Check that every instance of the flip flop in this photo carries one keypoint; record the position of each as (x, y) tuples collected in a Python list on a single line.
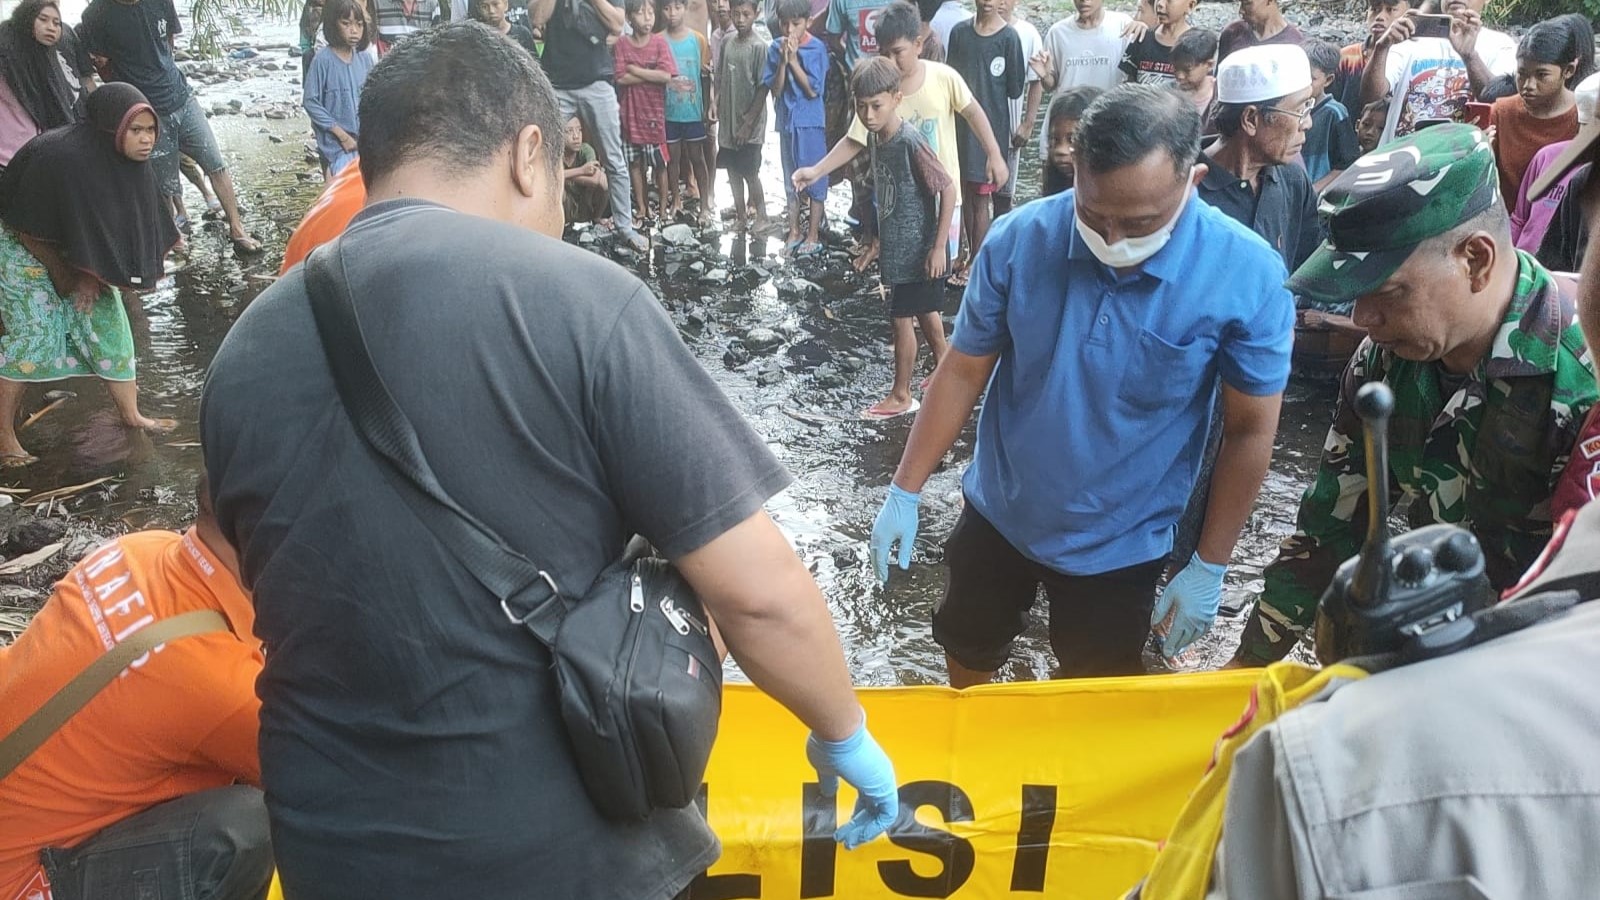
[(17, 460), (808, 249), (789, 247), (871, 415)]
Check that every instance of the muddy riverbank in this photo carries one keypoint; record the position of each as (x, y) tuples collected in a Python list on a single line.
[(801, 349)]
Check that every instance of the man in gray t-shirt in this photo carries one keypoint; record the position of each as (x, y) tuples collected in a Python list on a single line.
[(411, 742)]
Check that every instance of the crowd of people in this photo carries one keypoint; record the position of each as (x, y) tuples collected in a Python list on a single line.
[(1203, 196)]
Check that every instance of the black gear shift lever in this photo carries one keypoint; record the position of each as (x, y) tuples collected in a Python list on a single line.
[(1398, 594)]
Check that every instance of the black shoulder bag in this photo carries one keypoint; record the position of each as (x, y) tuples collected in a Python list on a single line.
[(639, 679)]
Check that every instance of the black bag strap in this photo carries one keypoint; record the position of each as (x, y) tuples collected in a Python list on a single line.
[(528, 595)]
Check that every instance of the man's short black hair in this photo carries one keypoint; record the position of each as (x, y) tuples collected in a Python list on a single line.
[(1131, 121), (899, 21), (457, 95), (1195, 46), (1324, 57), (789, 10), (733, 3)]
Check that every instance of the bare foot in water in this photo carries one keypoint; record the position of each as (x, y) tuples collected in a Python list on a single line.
[(154, 426)]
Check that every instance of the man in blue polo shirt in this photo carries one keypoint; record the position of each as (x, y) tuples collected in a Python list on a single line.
[(1105, 316)]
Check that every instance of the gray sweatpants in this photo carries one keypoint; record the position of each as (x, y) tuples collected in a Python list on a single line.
[(596, 106)]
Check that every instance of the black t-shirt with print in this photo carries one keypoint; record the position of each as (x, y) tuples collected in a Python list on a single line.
[(411, 742)]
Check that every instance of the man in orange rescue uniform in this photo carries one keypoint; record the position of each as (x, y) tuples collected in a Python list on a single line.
[(138, 794)]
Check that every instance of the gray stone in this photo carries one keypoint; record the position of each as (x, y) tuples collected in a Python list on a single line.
[(852, 363), (769, 377), (274, 139), (715, 275), (736, 356), (585, 238), (679, 235), (276, 114), (236, 104), (762, 340), (697, 267), (845, 558)]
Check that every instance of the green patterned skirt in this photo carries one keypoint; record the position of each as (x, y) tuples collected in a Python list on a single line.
[(46, 337)]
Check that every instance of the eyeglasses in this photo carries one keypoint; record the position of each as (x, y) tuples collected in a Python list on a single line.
[(1303, 113)]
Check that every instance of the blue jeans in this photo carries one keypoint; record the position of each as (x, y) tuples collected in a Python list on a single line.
[(186, 130), (211, 845)]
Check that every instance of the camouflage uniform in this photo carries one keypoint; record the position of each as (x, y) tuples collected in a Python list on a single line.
[(1529, 396), (1486, 456)]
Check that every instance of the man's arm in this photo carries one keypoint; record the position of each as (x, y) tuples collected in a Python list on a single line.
[(776, 623), (1249, 425), (1030, 113), (540, 11), (957, 383), (979, 123), (842, 152), (1375, 78), (1464, 29), (610, 15), (1328, 530)]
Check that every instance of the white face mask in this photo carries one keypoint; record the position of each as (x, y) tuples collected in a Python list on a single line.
[(1131, 251)]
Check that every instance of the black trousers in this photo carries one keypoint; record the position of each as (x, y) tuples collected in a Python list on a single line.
[(1098, 623), (211, 845)]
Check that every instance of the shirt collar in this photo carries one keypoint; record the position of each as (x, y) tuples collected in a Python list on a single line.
[(1529, 340), (230, 598)]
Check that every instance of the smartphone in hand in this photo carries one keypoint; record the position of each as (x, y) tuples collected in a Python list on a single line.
[(1434, 26)]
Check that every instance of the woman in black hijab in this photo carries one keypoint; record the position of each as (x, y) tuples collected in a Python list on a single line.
[(35, 86), (82, 218)]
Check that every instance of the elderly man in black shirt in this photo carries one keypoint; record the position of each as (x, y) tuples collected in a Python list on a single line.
[(411, 740), (1264, 94)]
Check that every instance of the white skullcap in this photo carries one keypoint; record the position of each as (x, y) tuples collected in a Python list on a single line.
[(1588, 92), (1263, 72)]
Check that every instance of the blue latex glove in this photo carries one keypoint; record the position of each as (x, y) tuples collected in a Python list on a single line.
[(1196, 592), (860, 761), (896, 522)]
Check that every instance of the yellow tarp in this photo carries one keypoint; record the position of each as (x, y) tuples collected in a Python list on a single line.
[(1060, 789)]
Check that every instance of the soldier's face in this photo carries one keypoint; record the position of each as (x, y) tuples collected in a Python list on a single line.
[(1435, 303)]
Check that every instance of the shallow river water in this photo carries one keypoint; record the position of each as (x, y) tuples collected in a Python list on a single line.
[(804, 398)]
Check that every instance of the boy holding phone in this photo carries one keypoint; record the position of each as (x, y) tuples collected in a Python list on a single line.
[(1435, 64)]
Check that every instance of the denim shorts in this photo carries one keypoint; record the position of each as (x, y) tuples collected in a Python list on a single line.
[(184, 129)]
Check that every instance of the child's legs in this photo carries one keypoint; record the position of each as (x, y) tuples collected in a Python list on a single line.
[(675, 170), (905, 357), (810, 146), (758, 197), (786, 153), (933, 332), (702, 177), (969, 208), (982, 215), (817, 215), (663, 175), (736, 188), (708, 161), (636, 172)]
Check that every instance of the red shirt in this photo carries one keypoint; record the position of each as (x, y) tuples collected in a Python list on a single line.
[(644, 106), (181, 719)]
